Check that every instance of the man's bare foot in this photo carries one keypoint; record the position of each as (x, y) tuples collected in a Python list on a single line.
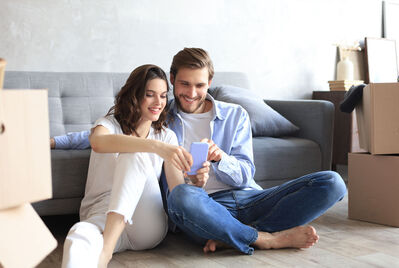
[(297, 237), (212, 245)]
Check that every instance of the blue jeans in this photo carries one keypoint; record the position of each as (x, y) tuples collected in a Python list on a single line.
[(235, 216)]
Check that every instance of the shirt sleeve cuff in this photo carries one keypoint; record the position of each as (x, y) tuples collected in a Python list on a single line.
[(61, 142)]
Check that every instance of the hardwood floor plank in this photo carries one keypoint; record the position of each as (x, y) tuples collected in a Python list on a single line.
[(343, 243)]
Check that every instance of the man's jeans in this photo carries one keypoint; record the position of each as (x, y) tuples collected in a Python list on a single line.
[(234, 216)]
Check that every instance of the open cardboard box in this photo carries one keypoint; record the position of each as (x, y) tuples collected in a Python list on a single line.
[(25, 240), (378, 118), (373, 188), (25, 176), (25, 173)]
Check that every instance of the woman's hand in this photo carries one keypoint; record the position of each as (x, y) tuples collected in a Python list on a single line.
[(176, 155), (202, 176)]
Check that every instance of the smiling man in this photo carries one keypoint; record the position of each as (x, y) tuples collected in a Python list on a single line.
[(231, 209)]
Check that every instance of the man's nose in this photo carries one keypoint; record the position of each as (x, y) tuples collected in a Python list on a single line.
[(191, 92)]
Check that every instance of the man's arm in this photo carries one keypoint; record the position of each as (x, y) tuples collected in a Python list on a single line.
[(72, 140), (235, 166)]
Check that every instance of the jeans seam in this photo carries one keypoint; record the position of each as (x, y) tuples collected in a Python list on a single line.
[(272, 194), (274, 207), (185, 219), (236, 205)]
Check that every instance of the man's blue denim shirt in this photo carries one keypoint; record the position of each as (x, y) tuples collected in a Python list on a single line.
[(231, 131)]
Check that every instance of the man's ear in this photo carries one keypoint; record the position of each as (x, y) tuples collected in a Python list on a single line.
[(209, 83), (172, 79)]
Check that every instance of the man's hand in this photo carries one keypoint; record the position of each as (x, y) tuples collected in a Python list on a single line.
[(52, 143), (176, 155), (214, 152), (202, 176)]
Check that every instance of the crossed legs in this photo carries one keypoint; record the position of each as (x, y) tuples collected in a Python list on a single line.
[(270, 218)]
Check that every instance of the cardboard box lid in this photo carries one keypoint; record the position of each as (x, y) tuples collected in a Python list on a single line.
[(25, 240), (25, 174)]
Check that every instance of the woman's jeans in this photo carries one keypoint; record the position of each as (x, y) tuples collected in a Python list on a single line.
[(235, 216)]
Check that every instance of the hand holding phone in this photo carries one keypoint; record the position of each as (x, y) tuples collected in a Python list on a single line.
[(199, 152)]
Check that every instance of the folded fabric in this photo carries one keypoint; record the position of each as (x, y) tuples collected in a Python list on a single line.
[(352, 98), (264, 120)]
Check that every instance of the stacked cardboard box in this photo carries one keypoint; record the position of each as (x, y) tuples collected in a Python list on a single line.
[(343, 85), (373, 181), (25, 177)]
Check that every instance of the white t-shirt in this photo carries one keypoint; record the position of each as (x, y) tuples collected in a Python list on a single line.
[(102, 166), (195, 128)]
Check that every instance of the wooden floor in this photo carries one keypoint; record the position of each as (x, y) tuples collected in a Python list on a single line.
[(343, 243)]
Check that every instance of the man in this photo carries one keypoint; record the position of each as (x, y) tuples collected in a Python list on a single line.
[(230, 208)]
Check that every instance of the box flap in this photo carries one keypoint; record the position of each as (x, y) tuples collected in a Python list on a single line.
[(25, 174), (25, 240)]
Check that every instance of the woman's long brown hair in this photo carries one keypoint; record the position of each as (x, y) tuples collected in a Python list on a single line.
[(127, 102)]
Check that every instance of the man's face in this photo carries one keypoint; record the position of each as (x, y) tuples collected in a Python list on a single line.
[(189, 88)]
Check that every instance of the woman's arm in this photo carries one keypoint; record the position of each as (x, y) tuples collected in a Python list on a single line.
[(173, 175), (114, 227), (103, 142)]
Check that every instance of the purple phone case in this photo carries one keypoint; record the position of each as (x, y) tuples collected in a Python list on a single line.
[(199, 151)]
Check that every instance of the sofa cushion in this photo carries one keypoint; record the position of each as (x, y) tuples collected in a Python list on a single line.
[(69, 171), (287, 158), (264, 120)]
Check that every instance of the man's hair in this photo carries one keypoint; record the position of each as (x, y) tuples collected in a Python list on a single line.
[(127, 102), (192, 58)]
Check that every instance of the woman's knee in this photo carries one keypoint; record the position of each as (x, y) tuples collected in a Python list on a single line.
[(147, 236)]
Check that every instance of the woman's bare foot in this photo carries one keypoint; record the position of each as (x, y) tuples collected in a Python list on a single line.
[(212, 245), (297, 237)]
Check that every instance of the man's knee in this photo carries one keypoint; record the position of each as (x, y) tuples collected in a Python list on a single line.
[(333, 184), (185, 200), (184, 195)]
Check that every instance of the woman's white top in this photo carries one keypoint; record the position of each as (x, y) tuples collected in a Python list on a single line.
[(102, 165)]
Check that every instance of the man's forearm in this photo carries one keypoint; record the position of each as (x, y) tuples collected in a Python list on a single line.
[(72, 140)]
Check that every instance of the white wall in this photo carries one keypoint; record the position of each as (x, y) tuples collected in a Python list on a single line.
[(285, 46)]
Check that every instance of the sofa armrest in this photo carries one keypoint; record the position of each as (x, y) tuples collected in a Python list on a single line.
[(315, 118)]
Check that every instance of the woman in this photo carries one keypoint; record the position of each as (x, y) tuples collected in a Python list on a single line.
[(129, 146)]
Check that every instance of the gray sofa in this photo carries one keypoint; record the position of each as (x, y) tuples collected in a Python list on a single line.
[(76, 100)]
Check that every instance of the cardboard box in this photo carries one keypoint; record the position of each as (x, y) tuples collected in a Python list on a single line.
[(3, 64), (378, 118), (373, 188), (25, 167), (25, 240)]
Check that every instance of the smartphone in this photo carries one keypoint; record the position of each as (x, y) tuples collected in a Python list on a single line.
[(199, 151)]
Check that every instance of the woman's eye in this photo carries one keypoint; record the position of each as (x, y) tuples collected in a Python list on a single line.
[(148, 95)]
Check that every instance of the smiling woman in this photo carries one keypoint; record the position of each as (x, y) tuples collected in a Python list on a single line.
[(122, 183)]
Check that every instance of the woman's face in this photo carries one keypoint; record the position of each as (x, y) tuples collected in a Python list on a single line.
[(154, 99)]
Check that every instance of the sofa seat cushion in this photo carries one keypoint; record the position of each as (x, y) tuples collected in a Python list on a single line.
[(281, 159), (69, 170)]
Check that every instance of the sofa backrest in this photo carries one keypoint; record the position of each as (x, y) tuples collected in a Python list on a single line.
[(77, 100)]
